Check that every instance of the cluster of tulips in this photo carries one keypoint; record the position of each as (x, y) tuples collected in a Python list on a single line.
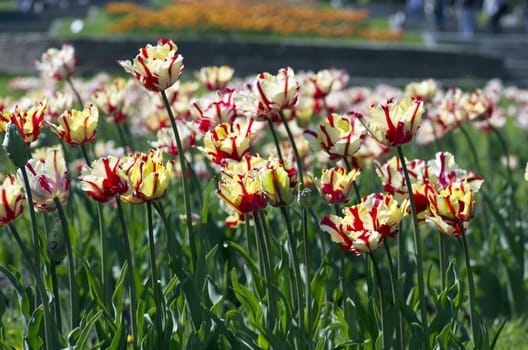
[(324, 135)]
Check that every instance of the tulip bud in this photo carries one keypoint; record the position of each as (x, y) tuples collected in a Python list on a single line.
[(16, 148), (56, 246)]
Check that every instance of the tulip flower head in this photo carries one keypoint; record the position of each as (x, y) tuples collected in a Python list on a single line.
[(209, 113), (366, 224), (278, 180), (105, 179), (77, 127), (335, 184), (58, 64), (242, 192), (228, 141), (321, 84), (48, 179), (156, 67), (111, 100), (148, 175), (451, 208), (214, 77), (425, 89), (167, 141), (11, 200), (29, 121), (338, 135), (394, 123), (275, 93)]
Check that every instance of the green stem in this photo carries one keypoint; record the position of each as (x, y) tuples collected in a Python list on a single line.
[(308, 279), (400, 267), (472, 148), (471, 284), (56, 298), (272, 302), (75, 92), (275, 139), (71, 267), (34, 230), (85, 154), (443, 260), (300, 167), (120, 132), (50, 337), (395, 299), (105, 273), (131, 279), (418, 247), (296, 274), (186, 199), (304, 228), (154, 277), (382, 301), (511, 182)]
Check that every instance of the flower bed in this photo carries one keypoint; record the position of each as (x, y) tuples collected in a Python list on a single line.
[(239, 16), (285, 210)]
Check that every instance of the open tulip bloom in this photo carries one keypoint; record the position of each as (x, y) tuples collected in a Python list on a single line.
[(366, 224), (394, 123), (11, 200), (105, 179), (58, 64), (156, 67), (48, 179)]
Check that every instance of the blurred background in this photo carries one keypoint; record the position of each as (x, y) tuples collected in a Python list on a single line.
[(457, 41)]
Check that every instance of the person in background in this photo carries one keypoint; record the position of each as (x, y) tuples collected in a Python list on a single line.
[(466, 17)]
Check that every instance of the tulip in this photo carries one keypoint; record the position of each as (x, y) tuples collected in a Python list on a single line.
[(242, 192), (278, 180), (77, 127), (394, 123), (148, 175), (365, 225), (215, 78), (11, 200), (58, 64), (104, 179), (48, 179), (29, 122), (275, 93), (451, 208), (335, 184), (111, 100), (338, 135), (228, 141), (321, 84), (156, 67)]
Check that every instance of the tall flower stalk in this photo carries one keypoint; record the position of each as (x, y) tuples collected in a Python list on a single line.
[(185, 184), (71, 267), (417, 247)]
